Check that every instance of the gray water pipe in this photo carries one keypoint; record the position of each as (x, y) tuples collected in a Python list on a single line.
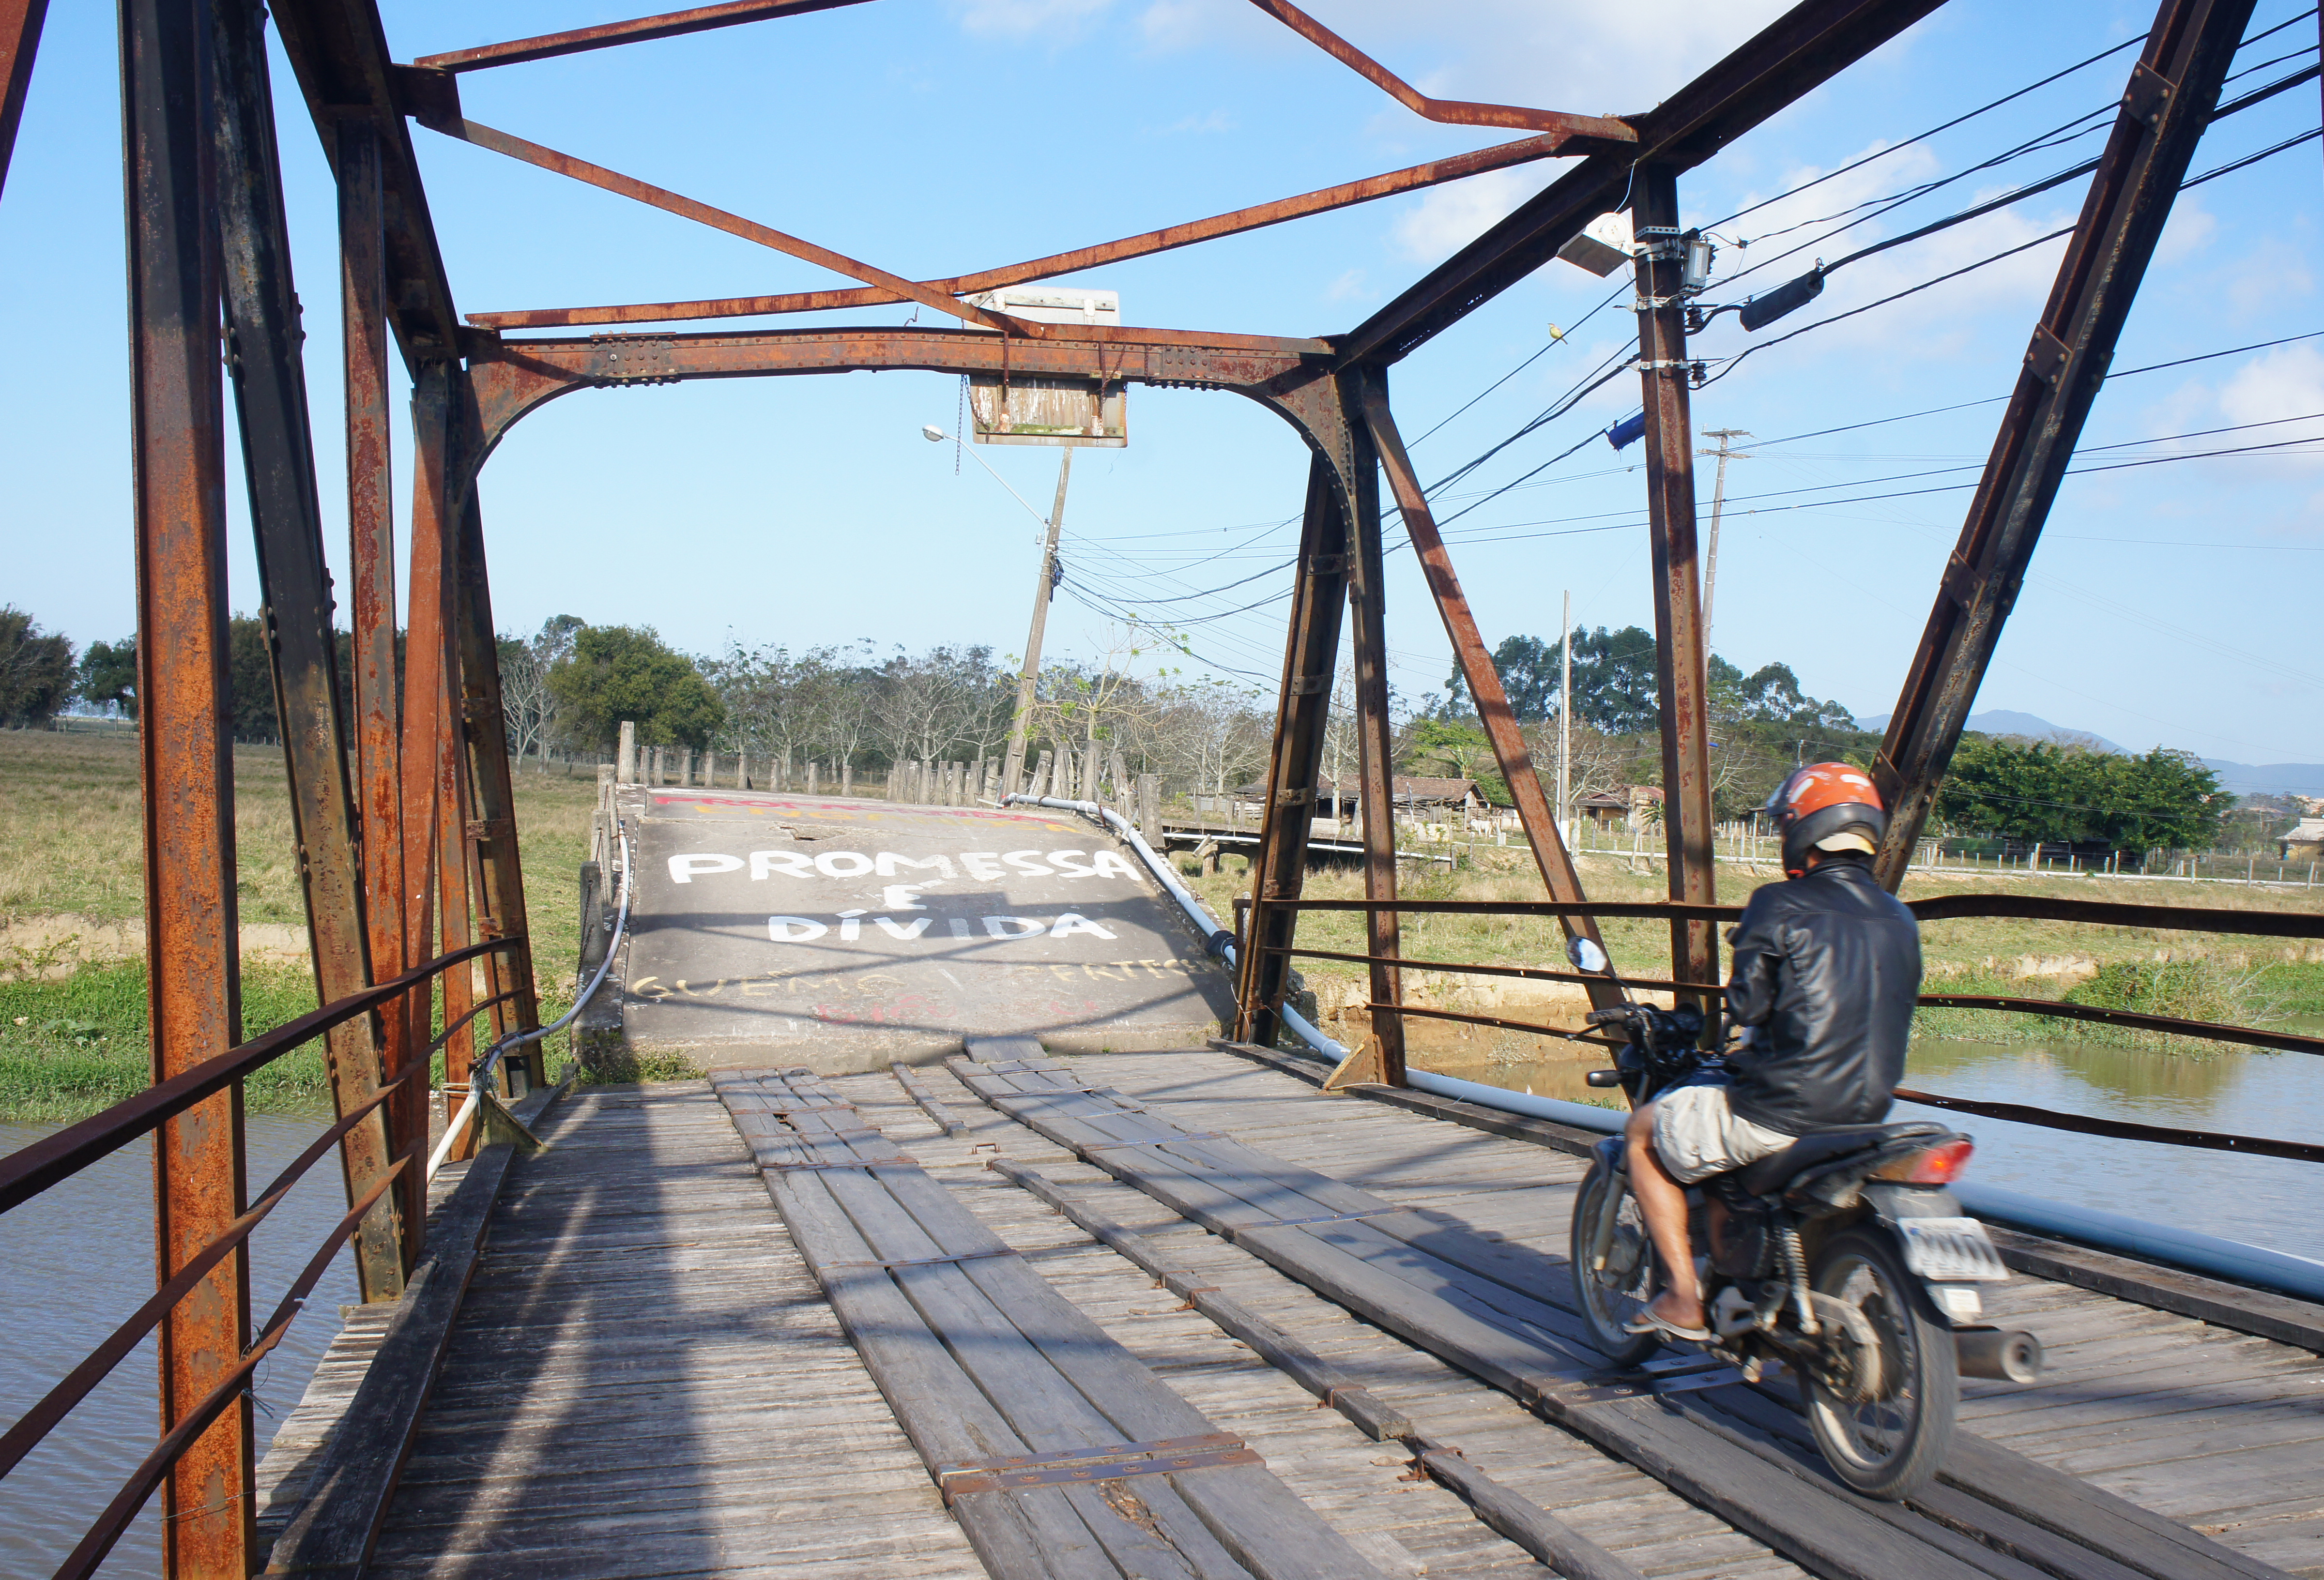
[(2107, 1231)]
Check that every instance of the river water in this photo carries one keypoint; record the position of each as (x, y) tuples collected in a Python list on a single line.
[(79, 1260)]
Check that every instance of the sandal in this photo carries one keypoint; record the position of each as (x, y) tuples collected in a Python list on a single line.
[(1649, 1320)]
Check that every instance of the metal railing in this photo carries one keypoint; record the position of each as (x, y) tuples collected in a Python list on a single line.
[(1939, 907), (30, 1171)]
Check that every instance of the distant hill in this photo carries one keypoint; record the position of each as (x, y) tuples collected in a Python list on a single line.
[(2269, 778), (2002, 721), (2242, 778)]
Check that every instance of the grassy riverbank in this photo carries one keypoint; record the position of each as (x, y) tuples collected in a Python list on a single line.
[(72, 1021)]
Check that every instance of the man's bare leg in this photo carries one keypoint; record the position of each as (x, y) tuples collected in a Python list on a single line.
[(1661, 1201)]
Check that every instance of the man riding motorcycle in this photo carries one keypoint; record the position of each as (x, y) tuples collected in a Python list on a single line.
[(1827, 970)]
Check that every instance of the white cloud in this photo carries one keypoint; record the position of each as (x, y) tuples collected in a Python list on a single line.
[(2285, 382), (1218, 120), (1449, 217), (1052, 19), (2188, 231), (1350, 288)]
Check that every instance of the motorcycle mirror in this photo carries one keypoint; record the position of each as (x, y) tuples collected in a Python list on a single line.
[(1587, 956)]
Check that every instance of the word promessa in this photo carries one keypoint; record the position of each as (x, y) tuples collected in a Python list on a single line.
[(983, 866)]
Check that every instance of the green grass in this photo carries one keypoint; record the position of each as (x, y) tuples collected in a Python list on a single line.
[(2197, 990), (624, 1068), (70, 834)]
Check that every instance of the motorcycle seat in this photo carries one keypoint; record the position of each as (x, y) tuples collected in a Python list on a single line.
[(1776, 1169)]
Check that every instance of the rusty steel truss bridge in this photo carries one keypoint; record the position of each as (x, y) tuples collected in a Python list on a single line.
[(403, 803)]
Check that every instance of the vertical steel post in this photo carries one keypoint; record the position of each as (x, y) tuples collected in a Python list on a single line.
[(20, 41), (186, 759), (371, 542), (2174, 87), (1683, 681), (491, 825), (1028, 678), (1375, 747), (454, 928), (1477, 667), (1311, 650), (425, 710), (295, 581)]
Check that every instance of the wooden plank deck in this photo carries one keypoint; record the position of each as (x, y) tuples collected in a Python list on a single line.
[(648, 1380)]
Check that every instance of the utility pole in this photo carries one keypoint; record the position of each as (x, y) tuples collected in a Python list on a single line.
[(1565, 720), (1718, 500), (1042, 593)]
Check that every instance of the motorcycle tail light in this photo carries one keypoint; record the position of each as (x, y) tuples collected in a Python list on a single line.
[(1940, 1165)]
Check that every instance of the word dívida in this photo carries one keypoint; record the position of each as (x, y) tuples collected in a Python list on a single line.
[(984, 866), (1007, 929)]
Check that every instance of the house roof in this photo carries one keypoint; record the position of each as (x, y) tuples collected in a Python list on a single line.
[(1620, 800)]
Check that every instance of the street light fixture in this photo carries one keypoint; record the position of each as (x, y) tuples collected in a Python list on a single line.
[(936, 435)]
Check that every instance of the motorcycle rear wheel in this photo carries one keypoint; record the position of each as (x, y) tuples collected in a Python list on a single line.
[(1607, 1306), (1889, 1445)]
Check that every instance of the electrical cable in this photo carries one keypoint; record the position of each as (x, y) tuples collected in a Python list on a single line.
[(1561, 339)]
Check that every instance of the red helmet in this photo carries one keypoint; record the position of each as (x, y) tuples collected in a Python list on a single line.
[(1823, 804)]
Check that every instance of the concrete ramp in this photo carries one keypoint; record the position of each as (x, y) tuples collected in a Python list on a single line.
[(841, 934)]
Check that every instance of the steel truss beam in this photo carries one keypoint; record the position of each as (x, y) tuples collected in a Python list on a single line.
[(669, 25), (20, 41), (1371, 188), (1477, 667), (1791, 56), (194, 999), (2171, 92), (286, 519)]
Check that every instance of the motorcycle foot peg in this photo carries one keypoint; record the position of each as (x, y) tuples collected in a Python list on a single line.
[(1999, 1355), (1603, 1078)]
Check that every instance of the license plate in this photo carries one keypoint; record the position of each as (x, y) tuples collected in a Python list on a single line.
[(1951, 1250)]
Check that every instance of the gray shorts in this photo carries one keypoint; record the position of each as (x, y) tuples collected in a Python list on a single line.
[(1699, 1134)]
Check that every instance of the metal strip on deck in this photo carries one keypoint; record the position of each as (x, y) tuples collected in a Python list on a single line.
[(1480, 1303)]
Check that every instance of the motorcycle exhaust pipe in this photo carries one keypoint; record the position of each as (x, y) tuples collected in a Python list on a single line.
[(2001, 1354)]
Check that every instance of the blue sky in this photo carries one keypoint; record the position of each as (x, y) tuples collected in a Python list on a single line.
[(2169, 603)]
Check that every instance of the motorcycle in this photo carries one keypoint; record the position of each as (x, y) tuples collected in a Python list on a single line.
[(1844, 1259)]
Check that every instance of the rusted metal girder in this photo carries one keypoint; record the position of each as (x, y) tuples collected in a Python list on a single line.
[(194, 999), (515, 377), (20, 41), (733, 225), (370, 544), (339, 53), (1682, 682), (1374, 732), (1603, 129), (1412, 178), (1278, 870), (1477, 667), (489, 828), (455, 910), (668, 25), (295, 587), (2170, 97), (426, 679), (1790, 58)]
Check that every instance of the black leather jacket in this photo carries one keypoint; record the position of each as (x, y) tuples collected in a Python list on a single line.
[(1827, 967)]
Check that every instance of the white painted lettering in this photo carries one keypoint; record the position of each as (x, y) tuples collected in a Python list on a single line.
[(682, 869), (982, 865), (1070, 924), (1029, 861), (790, 863), (893, 929), (1015, 926), (828, 864), (851, 926), (959, 925), (1112, 864), (1063, 860), (904, 896), (792, 930)]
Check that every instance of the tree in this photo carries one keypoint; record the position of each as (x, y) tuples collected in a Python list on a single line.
[(108, 676), (1452, 748), (36, 671), (526, 700), (617, 673), (2038, 790), (1615, 680), (948, 703)]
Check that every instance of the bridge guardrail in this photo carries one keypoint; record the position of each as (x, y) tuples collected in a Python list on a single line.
[(28, 1172)]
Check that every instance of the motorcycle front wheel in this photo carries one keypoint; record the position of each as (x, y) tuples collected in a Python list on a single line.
[(1609, 1298), (1883, 1416)]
